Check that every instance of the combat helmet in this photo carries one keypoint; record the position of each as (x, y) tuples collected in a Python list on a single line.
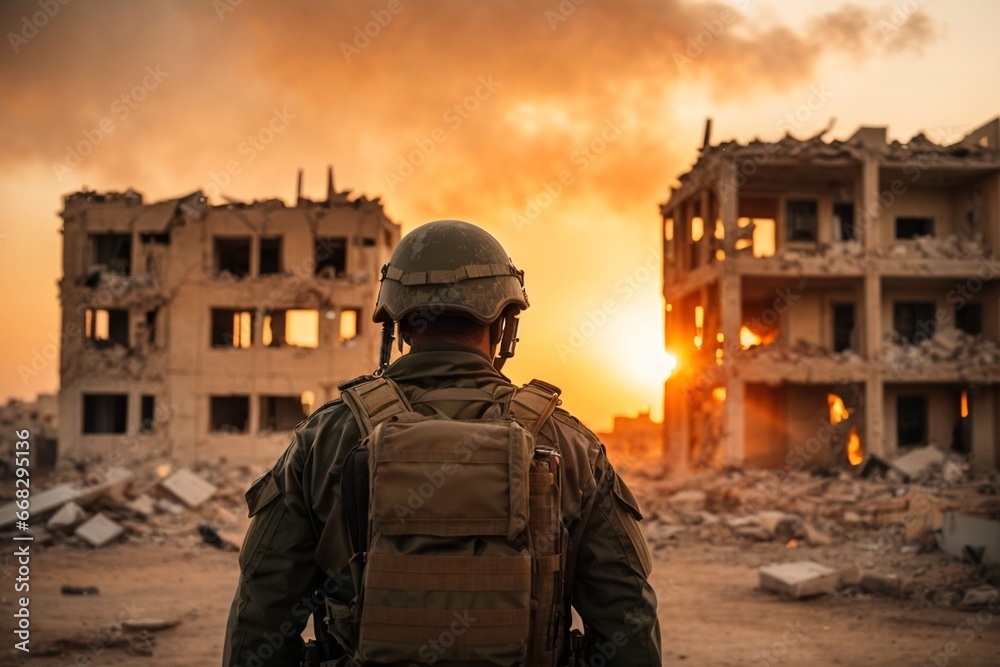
[(451, 268)]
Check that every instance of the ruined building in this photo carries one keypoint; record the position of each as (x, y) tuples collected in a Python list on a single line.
[(199, 332), (832, 300)]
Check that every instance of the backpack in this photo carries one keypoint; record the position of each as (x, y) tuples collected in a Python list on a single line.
[(457, 533)]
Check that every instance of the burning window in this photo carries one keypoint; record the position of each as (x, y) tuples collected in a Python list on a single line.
[(801, 219), (299, 328), (280, 413), (843, 222), (106, 328), (232, 328), (843, 327), (912, 227), (914, 320), (232, 256), (349, 323), (105, 413), (270, 255), (111, 252), (229, 414), (147, 421), (330, 256)]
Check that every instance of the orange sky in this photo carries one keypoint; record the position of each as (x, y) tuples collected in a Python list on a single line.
[(559, 130)]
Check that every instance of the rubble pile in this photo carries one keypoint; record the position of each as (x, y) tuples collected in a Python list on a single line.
[(947, 345), (112, 504), (797, 351), (948, 247), (928, 529)]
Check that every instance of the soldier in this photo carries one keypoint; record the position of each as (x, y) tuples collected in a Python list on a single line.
[(448, 558)]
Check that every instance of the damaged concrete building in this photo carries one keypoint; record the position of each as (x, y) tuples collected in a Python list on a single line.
[(201, 332), (832, 300)]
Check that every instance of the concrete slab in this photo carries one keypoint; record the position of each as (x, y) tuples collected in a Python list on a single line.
[(689, 501), (798, 580), (188, 487), (168, 506), (68, 516), (882, 584), (112, 485), (970, 538), (99, 530), (40, 503), (143, 505), (916, 463)]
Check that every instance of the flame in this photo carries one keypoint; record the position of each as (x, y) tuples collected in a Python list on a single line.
[(668, 364), (749, 339), (855, 455), (838, 412), (965, 404), (719, 394)]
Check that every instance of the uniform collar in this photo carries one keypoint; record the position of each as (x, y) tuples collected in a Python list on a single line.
[(428, 364)]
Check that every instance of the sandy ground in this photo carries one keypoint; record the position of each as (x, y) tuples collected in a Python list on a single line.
[(710, 609)]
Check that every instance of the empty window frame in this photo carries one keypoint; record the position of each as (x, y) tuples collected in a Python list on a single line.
[(229, 414), (843, 326), (801, 219), (298, 328), (843, 222), (151, 318), (147, 414), (330, 256), (350, 323), (911, 420), (232, 256), (106, 327), (914, 320), (969, 318), (111, 252), (910, 227), (269, 255), (105, 413), (232, 328), (280, 413)]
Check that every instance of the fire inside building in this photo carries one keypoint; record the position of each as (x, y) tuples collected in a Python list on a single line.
[(204, 332), (834, 301)]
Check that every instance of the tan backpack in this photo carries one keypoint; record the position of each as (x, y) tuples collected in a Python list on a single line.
[(460, 548)]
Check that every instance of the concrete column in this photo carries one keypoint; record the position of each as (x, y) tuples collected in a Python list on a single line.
[(730, 305), (708, 228), (727, 192), (871, 311), (873, 439), (867, 217), (983, 405)]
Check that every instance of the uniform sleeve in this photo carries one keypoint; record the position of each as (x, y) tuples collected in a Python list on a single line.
[(278, 573), (612, 592)]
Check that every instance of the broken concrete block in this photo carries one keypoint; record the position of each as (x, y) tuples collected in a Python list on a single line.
[(980, 597), (168, 506), (882, 584), (148, 625), (798, 580), (99, 530), (188, 487), (917, 463), (40, 503), (816, 537), (689, 501), (849, 575), (69, 516), (111, 484), (779, 525), (143, 506), (970, 538)]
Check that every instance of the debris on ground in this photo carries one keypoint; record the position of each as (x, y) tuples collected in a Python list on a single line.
[(79, 590), (798, 580)]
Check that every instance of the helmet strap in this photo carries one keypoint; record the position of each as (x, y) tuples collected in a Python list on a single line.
[(385, 351), (508, 338)]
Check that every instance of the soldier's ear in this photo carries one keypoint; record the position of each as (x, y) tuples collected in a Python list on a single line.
[(496, 331)]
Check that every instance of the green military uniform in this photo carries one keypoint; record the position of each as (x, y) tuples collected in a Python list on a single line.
[(298, 542)]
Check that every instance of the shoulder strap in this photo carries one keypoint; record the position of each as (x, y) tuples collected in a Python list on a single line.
[(534, 403), (374, 402)]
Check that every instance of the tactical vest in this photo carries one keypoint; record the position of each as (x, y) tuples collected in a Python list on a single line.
[(456, 527)]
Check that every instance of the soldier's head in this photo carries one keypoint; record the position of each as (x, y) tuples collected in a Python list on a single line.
[(450, 279)]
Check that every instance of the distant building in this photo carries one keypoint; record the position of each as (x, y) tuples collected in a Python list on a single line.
[(634, 439), (828, 300), (198, 332), (40, 418)]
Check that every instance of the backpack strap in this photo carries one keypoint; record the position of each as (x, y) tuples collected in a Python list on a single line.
[(534, 403), (375, 401)]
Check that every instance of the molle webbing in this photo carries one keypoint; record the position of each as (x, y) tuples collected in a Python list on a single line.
[(374, 402), (448, 277)]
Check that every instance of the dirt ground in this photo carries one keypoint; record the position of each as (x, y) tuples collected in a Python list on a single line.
[(711, 611)]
